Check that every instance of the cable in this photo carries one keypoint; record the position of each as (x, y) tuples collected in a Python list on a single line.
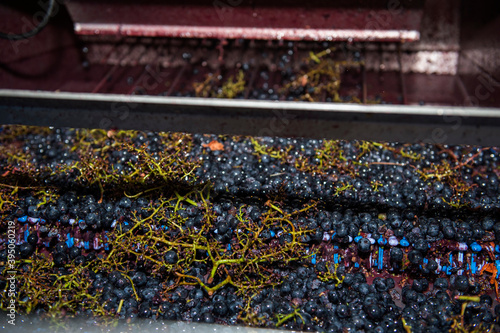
[(35, 31)]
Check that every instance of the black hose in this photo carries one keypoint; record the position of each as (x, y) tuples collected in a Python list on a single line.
[(36, 30)]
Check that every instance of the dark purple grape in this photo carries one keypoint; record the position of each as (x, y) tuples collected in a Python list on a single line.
[(59, 259), (441, 283), (343, 311), (415, 257), (220, 309), (139, 279), (25, 250), (396, 254), (461, 283), (171, 257), (364, 245), (33, 238), (374, 312), (420, 285), (74, 252)]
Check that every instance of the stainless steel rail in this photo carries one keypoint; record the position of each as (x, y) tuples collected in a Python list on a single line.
[(435, 124), (26, 324)]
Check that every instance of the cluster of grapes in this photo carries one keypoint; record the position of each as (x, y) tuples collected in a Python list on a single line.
[(306, 72), (368, 244)]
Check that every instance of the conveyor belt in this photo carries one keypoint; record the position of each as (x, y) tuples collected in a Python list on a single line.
[(404, 123)]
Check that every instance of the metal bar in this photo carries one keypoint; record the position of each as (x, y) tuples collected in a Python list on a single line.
[(249, 87), (401, 76), (294, 34), (176, 79), (313, 12), (463, 91), (32, 324), (110, 73), (316, 20), (147, 71), (364, 86), (106, 77), (222, 42), (404, 123), (323, 96)]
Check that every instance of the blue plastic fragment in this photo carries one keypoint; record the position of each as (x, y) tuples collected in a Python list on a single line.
[(86, 245), (473, 264), (476, 247), (125, 222), (106, 245), (336, 259), (497, 264), (69, 240), (272, 233), (356, 264), (22, 219), (229, 247), (497, 248), (382, 241), (357, 238), (380, 258), (451, 265), (404, 242), (313, 260), (26, 234)]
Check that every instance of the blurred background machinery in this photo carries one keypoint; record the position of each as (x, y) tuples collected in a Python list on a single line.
[(438, 61)]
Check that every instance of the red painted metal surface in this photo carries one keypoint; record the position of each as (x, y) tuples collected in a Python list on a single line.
[(245, 32), (23, 16), (54, 61), (291, 20)]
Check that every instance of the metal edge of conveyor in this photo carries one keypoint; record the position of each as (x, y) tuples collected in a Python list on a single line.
[(27, 324), (377, 122)]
